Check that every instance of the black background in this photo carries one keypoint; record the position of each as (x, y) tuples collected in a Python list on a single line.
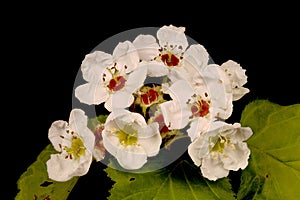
[(44, 45)]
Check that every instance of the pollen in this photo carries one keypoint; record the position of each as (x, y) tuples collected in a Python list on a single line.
[(77, 148)]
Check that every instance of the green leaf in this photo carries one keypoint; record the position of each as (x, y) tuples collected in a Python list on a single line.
[(274, 165), (35, 184), (178, 181)]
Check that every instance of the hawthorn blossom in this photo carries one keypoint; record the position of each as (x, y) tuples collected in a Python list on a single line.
[(200, 102), (237, 77), (74, 142), (208, 79), (221, 149), (166, 55), (111, 77), (130, 139)]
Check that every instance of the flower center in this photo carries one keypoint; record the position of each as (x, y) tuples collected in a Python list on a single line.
[(116, 83), (77, 148), (200, 108), (149, 96), (169, 59), (127, 136), (221, 143)]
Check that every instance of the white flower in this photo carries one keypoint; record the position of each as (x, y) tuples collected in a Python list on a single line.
[(199, 100), (237, 77), (166, 55), (220, 149), (74, 142), (188, 107), (127, 137), (111, 76)]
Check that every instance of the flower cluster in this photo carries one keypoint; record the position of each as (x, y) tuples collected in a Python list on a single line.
[(154, 88)]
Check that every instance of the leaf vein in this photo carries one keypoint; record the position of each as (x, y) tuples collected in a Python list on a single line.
[(188, 183)]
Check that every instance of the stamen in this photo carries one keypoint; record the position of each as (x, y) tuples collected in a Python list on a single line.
[(232, 146), (214, 155), (221, 139)]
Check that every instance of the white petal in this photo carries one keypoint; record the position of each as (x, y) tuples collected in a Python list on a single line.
[(147, 131), (136, 79), (151, 145), (175, 115), (150, 139), (180, 73), (78, 123), (88, 138), (120, 99), (146, 46), (219, 90), (198, 126), (126, 54), (235, 132), (115, 114), (238, 93), (131, 157), (137, 118), (246, 133), (212, 168), (56, 130), (196, 57), (110, 142), (198, 149), (181, 91), (156, 69), (91, 94), (235, 73), (172, 35), (61, 169), (77, 120), (217, 127), (94, 65), (236, 157)]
